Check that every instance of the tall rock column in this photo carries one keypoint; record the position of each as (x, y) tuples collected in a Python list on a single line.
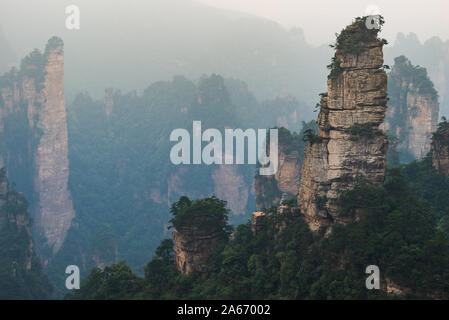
[(34, 145), (201, 227), (413, 108), (349, 143), (440, 149), (54, 209)]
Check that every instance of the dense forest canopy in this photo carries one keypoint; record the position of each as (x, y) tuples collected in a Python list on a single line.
[(21, 274), (403, 230), (121, 179)]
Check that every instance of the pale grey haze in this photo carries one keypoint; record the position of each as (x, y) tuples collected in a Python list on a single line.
[(277, 47), (320, 18)]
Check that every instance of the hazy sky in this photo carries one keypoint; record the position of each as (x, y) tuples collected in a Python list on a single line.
[(321, 18)]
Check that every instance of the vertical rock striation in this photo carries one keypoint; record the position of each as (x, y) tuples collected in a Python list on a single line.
[(193, 247), (230, 184), (413, 108), (201, 227), (285, 182), (349, 143), (33, 116), (440, 149), (53, 210)]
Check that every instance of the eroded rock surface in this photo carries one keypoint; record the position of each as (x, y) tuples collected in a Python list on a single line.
[(32, 110), (440, 149), (194, 246), (349, 143), (285, 182), (413, 108)]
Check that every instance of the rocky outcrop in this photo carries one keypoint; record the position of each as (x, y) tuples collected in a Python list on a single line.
[(104, 248), (349, 143), (194, 246), (226, 182), (440, 149), (230, 184), (33, 110), (285, 182), (258, 222), (201, 227), (432, 53), (413, 108), (274, 220)]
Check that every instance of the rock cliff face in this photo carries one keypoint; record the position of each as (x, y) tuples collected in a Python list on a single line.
[(285, 182), (432, 53), (200, 228), (274, 221), (193, 247), (33, 114), (413, 108), (440, 149), (229, 184), (349, 143)]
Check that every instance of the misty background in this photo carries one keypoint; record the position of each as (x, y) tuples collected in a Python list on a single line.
[(278, 48), (234, 63)]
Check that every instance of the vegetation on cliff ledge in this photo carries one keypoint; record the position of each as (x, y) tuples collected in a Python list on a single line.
[(439, 135), (353, 40), (362, 130), (403, 70), (209, 213)]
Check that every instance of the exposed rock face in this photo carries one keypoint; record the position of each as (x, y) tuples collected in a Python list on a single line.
[(273, 221), (413, 108), (36, 93), (440, 150), (257, 221), (285, 182), (194, 246), (230, 185), (433, 54), (105, 250), (201, 227), (227, 183), (349, 142), (289, 172)]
